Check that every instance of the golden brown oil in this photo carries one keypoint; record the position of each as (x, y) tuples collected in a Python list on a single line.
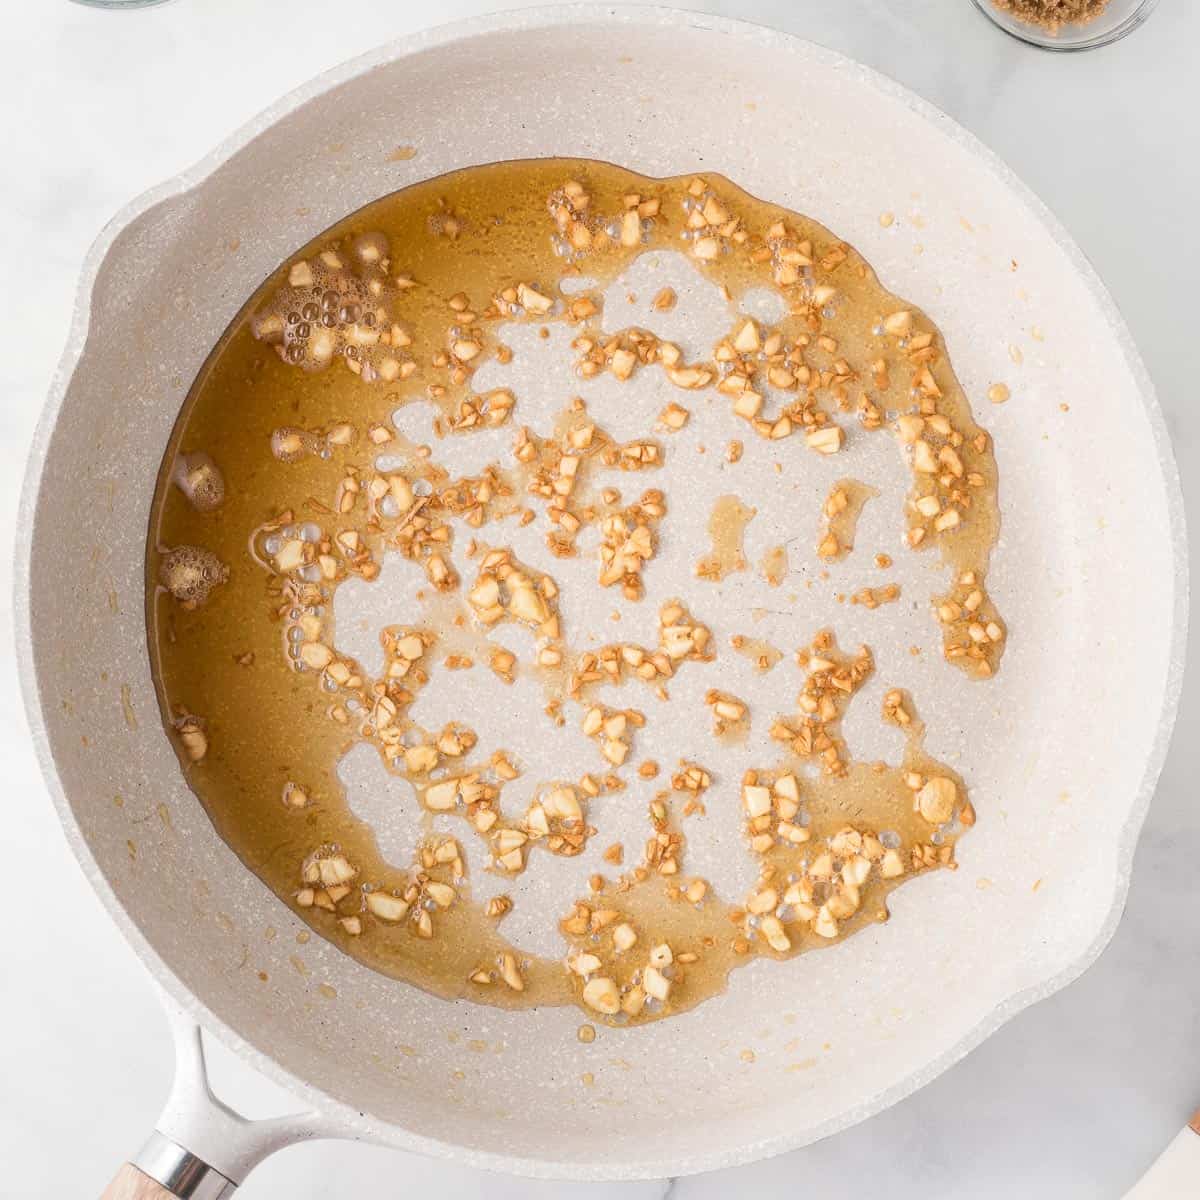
[(260, 446)]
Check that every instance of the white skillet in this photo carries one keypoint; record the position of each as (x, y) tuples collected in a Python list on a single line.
[(1090, 573)]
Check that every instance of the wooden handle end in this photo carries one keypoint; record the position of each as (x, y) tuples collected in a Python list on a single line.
[(131, 1184)]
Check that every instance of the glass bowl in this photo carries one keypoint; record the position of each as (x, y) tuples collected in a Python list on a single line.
[(1118, 18), (120, 4)]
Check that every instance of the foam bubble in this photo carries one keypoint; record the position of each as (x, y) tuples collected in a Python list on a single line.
[(200, 480), (290, 445), (190, 573), (370, 249), (334, 305)]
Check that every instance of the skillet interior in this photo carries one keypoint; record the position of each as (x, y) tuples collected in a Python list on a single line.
[(1086, 499)]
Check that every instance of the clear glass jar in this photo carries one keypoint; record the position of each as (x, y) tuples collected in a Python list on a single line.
[(1120, 17), (121, 4)]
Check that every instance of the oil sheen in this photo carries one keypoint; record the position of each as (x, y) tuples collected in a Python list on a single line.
[(271, 497)]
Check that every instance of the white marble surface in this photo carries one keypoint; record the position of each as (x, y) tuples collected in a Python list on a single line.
[(1071, 1100)]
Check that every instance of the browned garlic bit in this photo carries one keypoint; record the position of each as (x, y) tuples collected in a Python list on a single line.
[(629, 543), (972, 632), (730, 715), (870, 597), (557, 816), (841, 511), (320, 486), (680, 638), (673, 418), (612, 730), (200, 480), (295, 796), (832, 679), (954, 474), (192, 736), (483, 412), (338, 305), (190, 573), (331, 882), (557, 469), (762, 654), (692, 780), (814, 882), (291, 445)]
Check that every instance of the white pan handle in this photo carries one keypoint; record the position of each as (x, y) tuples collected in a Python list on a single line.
[(201, 1149), (1175, 1174)]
